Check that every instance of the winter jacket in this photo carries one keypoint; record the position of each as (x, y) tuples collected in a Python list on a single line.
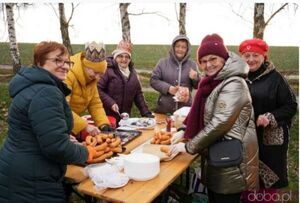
[(37, 149), (171, 72), (228, 111), (84, 97), (115, 89), (271, 94)]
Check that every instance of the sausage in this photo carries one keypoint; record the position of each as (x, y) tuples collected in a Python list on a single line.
[(98, 154), (165, 142), (88, 139), (102, 157), (101, 147), (99, 138), (117, 149), (165, 150), (115, 143)]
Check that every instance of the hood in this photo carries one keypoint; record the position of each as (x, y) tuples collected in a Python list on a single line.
[(234, 66), (172, 51), (28, 76)]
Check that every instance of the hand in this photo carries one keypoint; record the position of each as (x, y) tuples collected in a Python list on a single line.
[(176, 148), (183, 94), (74, 140), (115, 108), (92, 152), (106, 128), (193, 74), (262, 120), (173, 90), (148, 115), (92, 130)]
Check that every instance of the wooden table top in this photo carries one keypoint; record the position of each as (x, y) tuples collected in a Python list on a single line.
[(135, 191)]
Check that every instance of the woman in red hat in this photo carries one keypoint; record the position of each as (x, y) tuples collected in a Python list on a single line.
[(274, 106)]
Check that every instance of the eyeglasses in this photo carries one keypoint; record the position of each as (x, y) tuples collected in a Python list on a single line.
[(123, 56), (212, 61), (60, 62)]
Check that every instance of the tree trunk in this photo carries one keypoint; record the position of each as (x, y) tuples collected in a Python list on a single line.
[(259, 21), (13, 46), (64, 28), (125, 21), (182, 14)]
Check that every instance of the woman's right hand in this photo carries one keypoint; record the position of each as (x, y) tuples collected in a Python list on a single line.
[(92, 130), (173, 90), (115, 108)]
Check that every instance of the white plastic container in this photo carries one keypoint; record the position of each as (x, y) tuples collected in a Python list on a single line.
[(141, 166)]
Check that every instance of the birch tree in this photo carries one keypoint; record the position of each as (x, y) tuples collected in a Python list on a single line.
[(64, 26), (259, 19), (13, 46), (125, 21), (182, 14)]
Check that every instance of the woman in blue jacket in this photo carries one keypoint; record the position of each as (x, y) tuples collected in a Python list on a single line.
[(37, 149)]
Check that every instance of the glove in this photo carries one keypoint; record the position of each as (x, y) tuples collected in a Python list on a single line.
[(176, 148), (92, 152), (106, 128), (148, 115)]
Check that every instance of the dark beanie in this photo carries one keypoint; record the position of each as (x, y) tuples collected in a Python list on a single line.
[(212, 44)]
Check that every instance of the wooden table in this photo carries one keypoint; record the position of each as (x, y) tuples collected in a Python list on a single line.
[(136, 191)]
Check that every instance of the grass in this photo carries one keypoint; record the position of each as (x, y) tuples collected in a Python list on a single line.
[(286, 59)]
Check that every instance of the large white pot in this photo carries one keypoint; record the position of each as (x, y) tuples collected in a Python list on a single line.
[(141, 166)]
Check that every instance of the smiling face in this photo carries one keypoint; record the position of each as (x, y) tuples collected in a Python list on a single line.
[(57, 64), (180, 49), (254, 60), (211, 64), (123, 60)]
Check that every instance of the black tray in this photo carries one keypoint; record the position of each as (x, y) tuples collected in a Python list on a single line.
[(127, 135)]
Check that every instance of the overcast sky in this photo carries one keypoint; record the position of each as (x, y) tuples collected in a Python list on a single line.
[(101, 22)]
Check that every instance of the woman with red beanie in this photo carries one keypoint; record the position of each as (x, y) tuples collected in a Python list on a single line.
[(274, 107), (222, 109)]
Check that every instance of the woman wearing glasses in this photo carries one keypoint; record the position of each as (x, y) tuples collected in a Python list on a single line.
[(120, 87), (222, 108), (37, 148), (82, 79)]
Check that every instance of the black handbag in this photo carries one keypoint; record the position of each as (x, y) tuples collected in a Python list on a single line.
[(225, 153)]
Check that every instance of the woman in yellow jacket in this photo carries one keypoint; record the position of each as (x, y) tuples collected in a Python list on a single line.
[(82, 79)]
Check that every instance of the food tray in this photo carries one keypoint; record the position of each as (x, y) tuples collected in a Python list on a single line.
[(127, 135)]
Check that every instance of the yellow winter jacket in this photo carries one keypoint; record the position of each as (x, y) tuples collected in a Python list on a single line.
[(83, 97)]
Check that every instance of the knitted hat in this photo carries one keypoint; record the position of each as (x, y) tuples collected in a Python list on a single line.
[(254, 45), (94, 57), (212, 44), (124, 47)]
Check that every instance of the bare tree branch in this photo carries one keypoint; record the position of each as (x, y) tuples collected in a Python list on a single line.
[(270, 18), (54, 9), (149, 13)]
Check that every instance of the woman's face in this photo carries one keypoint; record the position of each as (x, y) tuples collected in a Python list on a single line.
[(57, 64), (123, 60), (253, 59), (211, 64), (93, 75), (180, 49)]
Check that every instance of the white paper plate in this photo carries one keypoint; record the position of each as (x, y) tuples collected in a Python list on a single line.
[(138, 123)]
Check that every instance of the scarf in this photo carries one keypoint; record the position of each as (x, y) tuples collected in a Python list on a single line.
[(195, 120)]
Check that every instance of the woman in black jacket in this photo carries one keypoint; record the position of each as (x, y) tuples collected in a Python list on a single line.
[(37, 149), (274, 106)]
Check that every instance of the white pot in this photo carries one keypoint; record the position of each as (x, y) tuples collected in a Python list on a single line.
[(141, 166)]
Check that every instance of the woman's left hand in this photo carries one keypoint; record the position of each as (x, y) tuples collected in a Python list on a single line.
[(262, 120), (193, 74), (176, 148)]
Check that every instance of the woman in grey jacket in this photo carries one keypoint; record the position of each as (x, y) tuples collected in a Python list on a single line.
[(222, 109), (173, 72)]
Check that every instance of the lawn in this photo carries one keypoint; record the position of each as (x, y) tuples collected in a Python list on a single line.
[(286, 59)]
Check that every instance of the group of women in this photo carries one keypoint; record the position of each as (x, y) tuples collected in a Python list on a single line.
[(241, 97)]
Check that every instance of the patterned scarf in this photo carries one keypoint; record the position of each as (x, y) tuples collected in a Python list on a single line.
[(195, 120)]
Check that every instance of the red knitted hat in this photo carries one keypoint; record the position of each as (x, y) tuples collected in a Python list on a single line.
[(254, 45), (212, 44)]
